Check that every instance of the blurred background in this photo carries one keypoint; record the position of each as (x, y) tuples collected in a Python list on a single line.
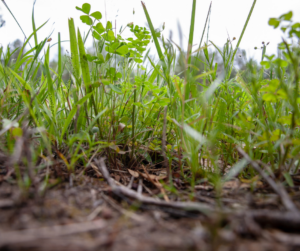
[(227, 20)]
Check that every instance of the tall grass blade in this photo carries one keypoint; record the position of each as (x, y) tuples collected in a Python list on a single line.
[(157, 45), (74, 49), (240, 38), (33, 26), (50, 86), (189, 51), (59, 60), (15, 20), (73, 112), (201, 40)]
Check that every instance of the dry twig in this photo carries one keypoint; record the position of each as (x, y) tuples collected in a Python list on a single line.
[(121, 190)]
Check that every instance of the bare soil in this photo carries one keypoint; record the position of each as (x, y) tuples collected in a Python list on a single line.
[(83, 212)]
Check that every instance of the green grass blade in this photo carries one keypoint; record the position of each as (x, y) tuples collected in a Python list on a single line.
[(15, 20), (241, 36), (50, 86), (59, 60), (86, 75), (27, 41), (200, 44), (84, 63), (74, 49), (33, 25), (73, 112), (157, 45), (189, 51)]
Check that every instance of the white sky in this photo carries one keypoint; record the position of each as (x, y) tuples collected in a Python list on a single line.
[(227, 16)]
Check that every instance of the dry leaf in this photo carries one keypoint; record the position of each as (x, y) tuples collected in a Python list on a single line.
[(121, 127), (133, 173)]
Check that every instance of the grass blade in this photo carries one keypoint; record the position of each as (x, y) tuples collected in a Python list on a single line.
[(189, 51), (74, 49), (33, 25), (157, 45), (50, 86), (59, 60), (240, 38)]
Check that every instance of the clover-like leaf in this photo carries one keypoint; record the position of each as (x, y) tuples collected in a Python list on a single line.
[(90, 58), (96, 15), (86, 19), (122, 50), (287, 16), (100, 59), (96, 35), (274, 22), (99, 28), (86, 8), (108, 25)]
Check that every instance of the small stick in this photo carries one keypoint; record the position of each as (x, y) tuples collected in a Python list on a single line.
[(28, 235), (140, 187), (286, 201), (131, 182)]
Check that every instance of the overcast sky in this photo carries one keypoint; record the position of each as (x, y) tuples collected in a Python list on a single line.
[(227, 17)]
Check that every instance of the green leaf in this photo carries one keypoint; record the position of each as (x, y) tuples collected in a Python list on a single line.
[(288, 179), (96, 35), (96, 15), (137, 60), (99, 28), (90, 58), (281, 63), (115, 89), (100, 59), (86, 19), (86, 7), (269, 97), (274, 22), (287, 16), (108, 25), (266, 64), (122, 50), (107, 57)]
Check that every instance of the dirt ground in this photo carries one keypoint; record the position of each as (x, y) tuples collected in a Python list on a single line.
[(84, 212)]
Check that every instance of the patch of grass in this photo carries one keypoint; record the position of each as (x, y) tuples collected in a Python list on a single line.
[(113, 104)]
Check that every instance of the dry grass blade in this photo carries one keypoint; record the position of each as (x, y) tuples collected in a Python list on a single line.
[(286, 201)]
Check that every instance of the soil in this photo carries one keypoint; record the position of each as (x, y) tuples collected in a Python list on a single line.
[(83, 212)]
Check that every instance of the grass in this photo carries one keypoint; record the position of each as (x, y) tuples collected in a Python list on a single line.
[(114, 103)]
